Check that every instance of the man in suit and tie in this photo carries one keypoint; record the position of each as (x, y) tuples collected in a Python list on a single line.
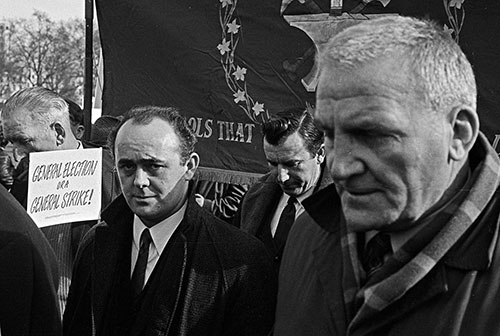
[(157, 263), (295, 153)]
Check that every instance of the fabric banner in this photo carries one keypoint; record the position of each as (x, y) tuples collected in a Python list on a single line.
[(227, 64), (230, 64)]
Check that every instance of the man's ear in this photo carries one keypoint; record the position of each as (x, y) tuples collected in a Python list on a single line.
[(79, 132), (465, 127), (60, 133), (320, 154), (191, 165)]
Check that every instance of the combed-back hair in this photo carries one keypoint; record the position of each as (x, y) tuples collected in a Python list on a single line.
[(287, 122), (75, 112), (440, 69), (144, 115), (42, 104)]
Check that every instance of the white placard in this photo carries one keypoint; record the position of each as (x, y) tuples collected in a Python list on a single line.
[(64, 186)]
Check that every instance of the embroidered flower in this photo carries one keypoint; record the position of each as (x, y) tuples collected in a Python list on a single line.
[(240, 73), (258, 108), (223, 47), (239, 96)]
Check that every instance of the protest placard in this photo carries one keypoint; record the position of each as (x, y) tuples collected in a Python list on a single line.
[(64, 186)]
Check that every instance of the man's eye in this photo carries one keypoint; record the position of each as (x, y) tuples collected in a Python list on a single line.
[(154, 167), (126, 167), (22, 141), (376, 139), (293, 164)]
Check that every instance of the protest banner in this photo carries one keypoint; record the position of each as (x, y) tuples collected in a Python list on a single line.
[(229, 65), (64, 186)]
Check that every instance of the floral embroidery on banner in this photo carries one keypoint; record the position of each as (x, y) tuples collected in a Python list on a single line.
[(235, 74), (456, 16)]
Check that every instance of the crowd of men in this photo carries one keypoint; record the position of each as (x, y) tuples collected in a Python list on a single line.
[(380, 214)]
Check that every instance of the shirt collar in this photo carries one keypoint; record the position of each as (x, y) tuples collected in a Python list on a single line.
[(161, 232)]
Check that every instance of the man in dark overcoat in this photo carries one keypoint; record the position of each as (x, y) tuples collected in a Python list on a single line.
[(28, 275), (415, 250), (159, 264)]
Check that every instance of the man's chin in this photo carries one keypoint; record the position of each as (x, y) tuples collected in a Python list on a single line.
[(292, 191), (363, 221)]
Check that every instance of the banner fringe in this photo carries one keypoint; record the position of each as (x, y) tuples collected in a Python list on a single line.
[(226, 176)]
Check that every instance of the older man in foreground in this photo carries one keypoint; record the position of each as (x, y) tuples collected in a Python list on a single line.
[(416, 250)]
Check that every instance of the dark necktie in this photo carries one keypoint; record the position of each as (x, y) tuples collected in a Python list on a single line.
[(375, 252), (139, 273), (285, 222)]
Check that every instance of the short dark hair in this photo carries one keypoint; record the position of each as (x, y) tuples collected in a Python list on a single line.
[(144, 115), (75, 112), (287, 122)]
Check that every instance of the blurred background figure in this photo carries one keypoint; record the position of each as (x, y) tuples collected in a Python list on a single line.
[(6, 165), (76, 119), (101, 129), (221, 199)]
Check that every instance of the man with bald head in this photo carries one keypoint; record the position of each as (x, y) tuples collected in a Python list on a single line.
[(415, 249), (157, 263)]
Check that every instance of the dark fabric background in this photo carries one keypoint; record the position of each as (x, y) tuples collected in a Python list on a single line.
[(164, 52)]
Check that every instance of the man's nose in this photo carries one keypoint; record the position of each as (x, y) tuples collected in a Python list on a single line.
[(344, 160), (141, 179), (283, 174)]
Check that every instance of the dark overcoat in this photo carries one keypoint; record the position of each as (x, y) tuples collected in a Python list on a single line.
[(459, 297), (211, 279), (259, 205), (28, 275)]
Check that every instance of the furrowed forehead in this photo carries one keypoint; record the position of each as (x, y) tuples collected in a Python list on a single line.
[(324, 114)]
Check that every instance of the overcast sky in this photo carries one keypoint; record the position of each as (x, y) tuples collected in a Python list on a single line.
[(56, 9)]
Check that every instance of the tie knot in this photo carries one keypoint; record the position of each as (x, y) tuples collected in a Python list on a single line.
[(376, 250), (291, 200), (145, 238)]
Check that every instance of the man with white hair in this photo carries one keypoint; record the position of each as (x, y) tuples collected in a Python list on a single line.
[(415, 249), (36, 119)]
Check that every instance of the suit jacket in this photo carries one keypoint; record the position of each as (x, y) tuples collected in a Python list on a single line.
[(28, 275), (211, 279), (259, 205)]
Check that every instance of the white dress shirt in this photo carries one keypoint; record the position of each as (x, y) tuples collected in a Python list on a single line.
[(160, 234)]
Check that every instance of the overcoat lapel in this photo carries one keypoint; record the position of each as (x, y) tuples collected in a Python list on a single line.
[(329, 269), (265, 200), (115, 242), (367, 321)]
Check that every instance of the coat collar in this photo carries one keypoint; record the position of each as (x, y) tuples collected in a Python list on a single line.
[(263, 197)]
